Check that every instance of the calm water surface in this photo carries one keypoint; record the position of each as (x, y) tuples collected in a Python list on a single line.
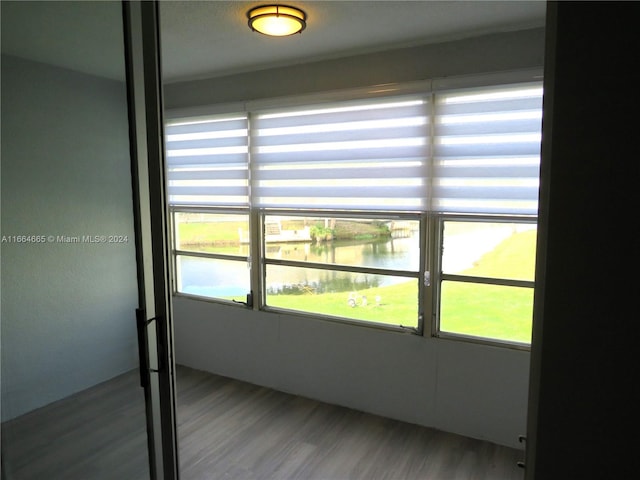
[(218, 278)]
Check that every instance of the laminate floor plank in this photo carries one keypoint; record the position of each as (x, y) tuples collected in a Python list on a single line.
[(250, 432), (96, 434), (231, 430)]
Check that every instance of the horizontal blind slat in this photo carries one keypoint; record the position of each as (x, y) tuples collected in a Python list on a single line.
[(208, 190), (492, 150), (325, 173), (329, 138), (209, 143), (208, 200), (209, 174), (339, 203), (389, 155), (487, 126), (491, 171), (235, 122), (222, 161)]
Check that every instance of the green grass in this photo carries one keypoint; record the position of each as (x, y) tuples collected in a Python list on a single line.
[(201, 233), (514, 258), (490, 311), (499, 312), (398, 304), (487, 311)]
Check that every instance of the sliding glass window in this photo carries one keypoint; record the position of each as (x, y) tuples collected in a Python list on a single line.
[(362, 268)]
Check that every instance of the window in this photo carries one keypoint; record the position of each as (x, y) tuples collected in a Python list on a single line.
[(486, 287), (212, 254), (362, 268), (385, 211)]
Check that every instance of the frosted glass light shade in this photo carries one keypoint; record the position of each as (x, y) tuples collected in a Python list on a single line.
[(277, 20)]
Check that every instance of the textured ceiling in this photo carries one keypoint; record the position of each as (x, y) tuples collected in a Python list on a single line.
[(211, 38)]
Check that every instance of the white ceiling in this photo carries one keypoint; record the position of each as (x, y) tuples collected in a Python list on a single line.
[(211, 37), (206, 38)]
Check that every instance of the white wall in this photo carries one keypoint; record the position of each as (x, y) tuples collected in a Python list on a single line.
[(67, 308), (487, 53), (474, 390)]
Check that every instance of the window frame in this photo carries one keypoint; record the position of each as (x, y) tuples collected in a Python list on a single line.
[(175, 251), (438, 239), (419, 274)]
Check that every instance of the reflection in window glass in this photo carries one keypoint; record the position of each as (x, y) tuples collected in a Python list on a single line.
[(383, 299), (214, 278), (491, 250), (488, 311), (213, 233)]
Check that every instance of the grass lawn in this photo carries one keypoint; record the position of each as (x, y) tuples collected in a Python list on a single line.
[(201, 233), (492, 311), (481, 310), (398, 304)]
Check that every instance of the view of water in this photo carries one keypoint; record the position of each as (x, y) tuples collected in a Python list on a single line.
[(221, 278)]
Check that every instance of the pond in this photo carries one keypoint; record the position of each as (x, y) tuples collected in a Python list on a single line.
[(224, 278), (465, 243)]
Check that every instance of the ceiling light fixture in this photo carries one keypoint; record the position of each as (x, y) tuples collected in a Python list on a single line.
[(277, 20)]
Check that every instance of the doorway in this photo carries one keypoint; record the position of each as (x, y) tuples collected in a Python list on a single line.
[(78, 259)]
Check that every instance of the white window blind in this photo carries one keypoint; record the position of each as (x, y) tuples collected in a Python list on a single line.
[(364, 155), (487, 150), (473, 151), (207, 161)]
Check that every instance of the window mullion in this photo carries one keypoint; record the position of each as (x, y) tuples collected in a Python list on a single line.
[(218, 256), (255, 261), (428, 274), (343, 268), (428, 251), (488, 280), (173, 243), (436, 225)]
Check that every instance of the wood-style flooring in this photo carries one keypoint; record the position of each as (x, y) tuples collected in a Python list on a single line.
[(232, 430)]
